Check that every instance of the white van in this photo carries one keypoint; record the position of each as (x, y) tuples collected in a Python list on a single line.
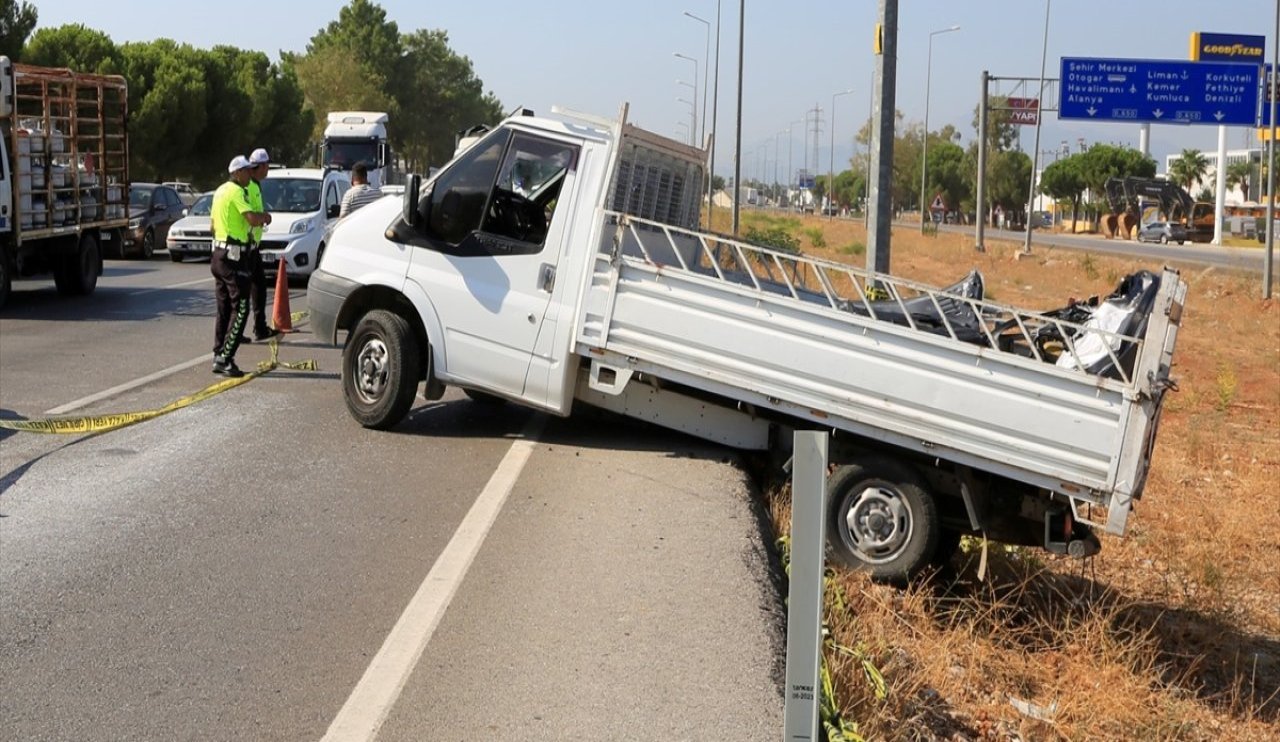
[(303, 203)]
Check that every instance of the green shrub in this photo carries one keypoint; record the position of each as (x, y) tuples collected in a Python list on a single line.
[(775, 237)]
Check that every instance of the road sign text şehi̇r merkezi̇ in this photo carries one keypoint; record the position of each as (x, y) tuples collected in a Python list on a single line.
[(1159, 91)]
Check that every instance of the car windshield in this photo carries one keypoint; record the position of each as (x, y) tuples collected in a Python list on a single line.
[(140, 198), (202, 206), (292, 195)]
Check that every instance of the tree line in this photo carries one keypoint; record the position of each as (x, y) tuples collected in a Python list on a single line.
[(192, 109)]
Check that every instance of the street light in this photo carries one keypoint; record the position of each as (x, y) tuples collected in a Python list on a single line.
[(924, 143), (715, 107), (694, 134), (1035, 150), (705, 55), (790, 168), (693, 117), (695, 89), (831, 172)]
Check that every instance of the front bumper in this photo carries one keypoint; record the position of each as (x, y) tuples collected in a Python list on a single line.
[(326, 295), (190, 247), (299, 253)]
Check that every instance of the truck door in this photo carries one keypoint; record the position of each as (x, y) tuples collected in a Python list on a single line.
[(489, 255)]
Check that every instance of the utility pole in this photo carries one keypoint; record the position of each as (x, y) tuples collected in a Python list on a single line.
[(1271, 161), (737, 145), (817, 137), (885, 99), (980, 209)]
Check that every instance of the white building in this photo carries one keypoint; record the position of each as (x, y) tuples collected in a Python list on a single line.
[(1234, 195)]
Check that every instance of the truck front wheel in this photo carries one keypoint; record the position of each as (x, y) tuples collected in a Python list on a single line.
[(380, 369), (882, 519)]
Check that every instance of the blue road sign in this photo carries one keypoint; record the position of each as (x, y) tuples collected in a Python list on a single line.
[(1158, 91)]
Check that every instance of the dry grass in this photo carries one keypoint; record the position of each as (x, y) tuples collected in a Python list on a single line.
[(1172, 632)]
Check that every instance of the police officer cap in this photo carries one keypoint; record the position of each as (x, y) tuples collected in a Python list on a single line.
[(238, 163), (259, 157)]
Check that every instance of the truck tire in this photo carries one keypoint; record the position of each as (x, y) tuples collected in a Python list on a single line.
[(77, 274), (380, 369), (6, 279), (148, 245), (881, 520)]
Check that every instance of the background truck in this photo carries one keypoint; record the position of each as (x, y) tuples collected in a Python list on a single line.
[(64, 174), (357, 136), (558, 262)]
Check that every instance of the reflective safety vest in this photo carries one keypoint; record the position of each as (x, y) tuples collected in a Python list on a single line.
[(230, 204)]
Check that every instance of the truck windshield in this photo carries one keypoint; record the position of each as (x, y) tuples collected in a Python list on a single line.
[(343, 154), (292, 195)]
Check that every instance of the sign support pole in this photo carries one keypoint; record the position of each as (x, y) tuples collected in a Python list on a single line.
[(804, 597)]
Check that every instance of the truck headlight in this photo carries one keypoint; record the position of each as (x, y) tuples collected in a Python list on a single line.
[(135, 223), (302, 226)]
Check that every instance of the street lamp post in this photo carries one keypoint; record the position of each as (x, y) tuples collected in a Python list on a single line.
[(1035, 150), (695, 89), (924, 141), (705, 55), (715, 107), (791, 173), (694, 134), (831, 171), (693, 117)]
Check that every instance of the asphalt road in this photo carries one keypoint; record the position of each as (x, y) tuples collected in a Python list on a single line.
[(257, 566), (1248, 259)]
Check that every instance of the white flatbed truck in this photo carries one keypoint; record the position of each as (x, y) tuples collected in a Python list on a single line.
[(556, 262)]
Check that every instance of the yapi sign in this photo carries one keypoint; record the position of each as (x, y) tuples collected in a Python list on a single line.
[(1024, 111)]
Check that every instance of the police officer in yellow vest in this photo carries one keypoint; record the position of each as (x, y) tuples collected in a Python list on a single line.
[(233, 218), (259, 159)]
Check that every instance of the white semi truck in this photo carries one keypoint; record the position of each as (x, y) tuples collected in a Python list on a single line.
[(64, 174), (557, 262), (357, 136)]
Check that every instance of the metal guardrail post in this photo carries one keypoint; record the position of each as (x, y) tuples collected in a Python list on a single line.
[(804, 601)]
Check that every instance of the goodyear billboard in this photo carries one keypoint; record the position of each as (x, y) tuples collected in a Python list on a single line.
[(1226, 47)]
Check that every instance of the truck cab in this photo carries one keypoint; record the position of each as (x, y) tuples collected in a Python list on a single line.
[(357, 136)]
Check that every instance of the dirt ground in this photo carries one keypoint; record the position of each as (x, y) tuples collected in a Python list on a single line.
[(1173, 631)]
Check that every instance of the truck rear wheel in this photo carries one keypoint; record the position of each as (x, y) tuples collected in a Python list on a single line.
[(6, 280), (77, 274), (380, 369), (882, 520)]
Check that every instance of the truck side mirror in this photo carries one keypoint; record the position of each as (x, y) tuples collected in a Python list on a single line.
[(409, 209), (333, 211)]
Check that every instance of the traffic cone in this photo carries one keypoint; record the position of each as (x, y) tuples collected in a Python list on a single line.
[(280, 312)]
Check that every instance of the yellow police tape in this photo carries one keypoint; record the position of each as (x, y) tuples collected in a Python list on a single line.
[(105, 423)]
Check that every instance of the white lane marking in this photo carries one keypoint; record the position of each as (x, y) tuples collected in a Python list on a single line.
[(128, 385), (371, 700), (174, 286)]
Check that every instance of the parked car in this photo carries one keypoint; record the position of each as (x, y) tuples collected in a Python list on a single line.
[(185, 191), (192, 235), (304, 204), (152, 210), (1162, 232)]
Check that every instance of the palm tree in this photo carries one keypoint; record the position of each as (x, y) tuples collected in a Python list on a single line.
[(1189, 168), (1240, 173)]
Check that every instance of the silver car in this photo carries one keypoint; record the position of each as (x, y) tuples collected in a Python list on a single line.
[(1162, 232), (192, 235)]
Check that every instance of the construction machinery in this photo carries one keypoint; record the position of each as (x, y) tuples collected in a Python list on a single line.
[(1132, 201)]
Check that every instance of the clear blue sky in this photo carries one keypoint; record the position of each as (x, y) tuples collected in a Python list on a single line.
[(594, 55)]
